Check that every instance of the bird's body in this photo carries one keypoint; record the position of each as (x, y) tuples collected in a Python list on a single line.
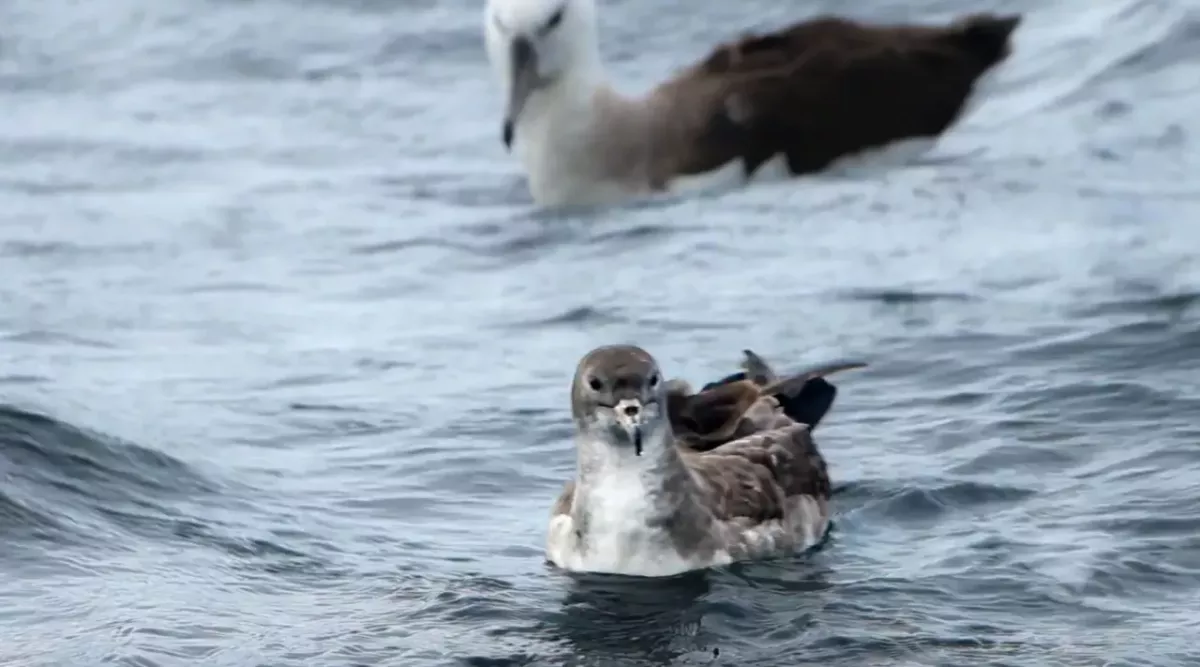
[(645, 503), (784, 103)]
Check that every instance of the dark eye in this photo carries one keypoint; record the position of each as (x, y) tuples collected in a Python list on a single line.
[(555, 19), (654, 380), (595, 384)]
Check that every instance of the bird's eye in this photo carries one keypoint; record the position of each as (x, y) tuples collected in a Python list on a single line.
[(654, 380), (595, 383), (555, 19)]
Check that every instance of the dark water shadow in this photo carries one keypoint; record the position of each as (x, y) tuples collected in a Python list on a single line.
[(609, 619)]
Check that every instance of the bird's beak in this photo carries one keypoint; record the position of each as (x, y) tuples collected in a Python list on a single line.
[(630, 415), (524, 80)]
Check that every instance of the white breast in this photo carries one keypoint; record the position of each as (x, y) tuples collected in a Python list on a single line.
[(566, 185), (618, 539), (562, 151)]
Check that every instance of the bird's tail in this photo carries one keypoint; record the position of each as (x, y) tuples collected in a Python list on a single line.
[(987, 36), (807, 396)]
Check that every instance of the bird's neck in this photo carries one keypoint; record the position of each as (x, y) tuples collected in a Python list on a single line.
[(581, 80), (565, 106), (652, 486), (580, 142)]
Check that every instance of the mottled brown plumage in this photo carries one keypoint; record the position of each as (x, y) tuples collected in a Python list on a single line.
[(822, 89), (749, 482), (750, 478), (734, 409)]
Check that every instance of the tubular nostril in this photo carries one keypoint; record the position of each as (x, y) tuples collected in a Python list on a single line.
[(522, 49), (631, 410)]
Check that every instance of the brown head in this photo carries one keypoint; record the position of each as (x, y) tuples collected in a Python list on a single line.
[(619, 397)]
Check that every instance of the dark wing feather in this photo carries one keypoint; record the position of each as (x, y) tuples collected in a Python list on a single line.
[(825, 88), (807, 396), (752, 477), (713, 416), (757, 369), (734, 408)]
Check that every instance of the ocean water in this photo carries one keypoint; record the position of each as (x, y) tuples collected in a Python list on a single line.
[(285, 352)]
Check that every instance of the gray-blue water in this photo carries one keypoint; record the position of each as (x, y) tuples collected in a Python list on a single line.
[(285, 353)]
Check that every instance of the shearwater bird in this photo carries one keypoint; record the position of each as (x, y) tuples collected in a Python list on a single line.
[(645, 502), (770, 105)]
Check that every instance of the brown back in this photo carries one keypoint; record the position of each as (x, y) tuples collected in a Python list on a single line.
[(704, 420), (825, 88), (753, 477)]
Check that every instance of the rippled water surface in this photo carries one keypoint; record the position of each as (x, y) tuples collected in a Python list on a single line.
[(284, 353)]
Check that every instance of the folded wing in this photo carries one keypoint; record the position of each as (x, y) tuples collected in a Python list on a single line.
[(825, 88), (753, 478), (736, 406)]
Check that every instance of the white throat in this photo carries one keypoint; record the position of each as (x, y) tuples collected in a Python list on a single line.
[(597, 457)]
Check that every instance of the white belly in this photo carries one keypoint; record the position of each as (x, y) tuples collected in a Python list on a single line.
[(564, 170), (618, 541), (636, 554)]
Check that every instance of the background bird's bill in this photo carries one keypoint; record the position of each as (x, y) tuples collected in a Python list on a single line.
[(523, 81)]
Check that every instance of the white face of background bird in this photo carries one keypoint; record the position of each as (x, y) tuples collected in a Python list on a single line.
[(534, 44)]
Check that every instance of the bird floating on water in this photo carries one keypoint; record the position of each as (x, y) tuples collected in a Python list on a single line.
[(669, 481), (768, 105)]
